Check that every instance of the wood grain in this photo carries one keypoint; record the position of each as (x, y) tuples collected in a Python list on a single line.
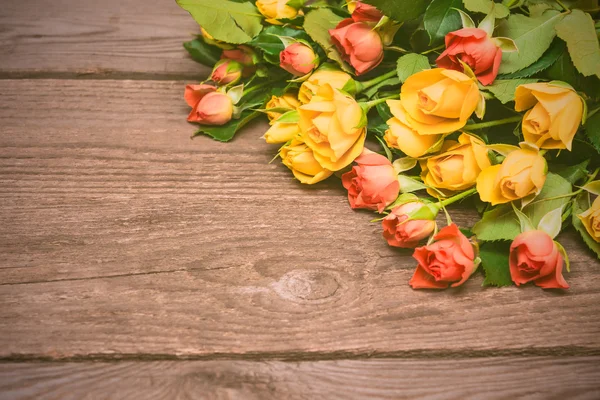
[(122, 237), (133, 38), (501, 378)]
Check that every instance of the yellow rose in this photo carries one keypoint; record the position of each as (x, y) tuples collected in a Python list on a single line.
[(329, 125), (276, 9), (439, 101), (555, 116), (522, 174), (281, 132), (457, 167), (336, 79), (298, 157), (288, 100), (402, 137), (591, 220)]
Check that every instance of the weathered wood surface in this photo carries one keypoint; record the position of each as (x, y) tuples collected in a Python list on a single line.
[(96, 38), (122, 237), (502, 378)]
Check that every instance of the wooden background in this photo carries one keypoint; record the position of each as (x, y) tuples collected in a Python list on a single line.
[(137, 263)]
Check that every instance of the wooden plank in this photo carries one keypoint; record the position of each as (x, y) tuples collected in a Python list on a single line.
[(100, 38), (122, 237), (488, 378)]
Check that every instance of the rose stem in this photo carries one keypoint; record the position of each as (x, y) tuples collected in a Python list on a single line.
[(489, 124), (458, 197), (443, 46), (378, 80), (373, 103), (575, 193)]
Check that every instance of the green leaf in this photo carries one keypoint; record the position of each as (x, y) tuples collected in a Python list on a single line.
[(410, 64), (225, 133), (225, 20), (372, 91), (504, 90), (592, 130), (557, 48), (533, 36), (202, 52), (572, 173), (400, 11), (580, 205), (269, 43), (564, 70), (501, 223), (495, 263), (577, 29), (485, 6), (317, 24), (442, 18)]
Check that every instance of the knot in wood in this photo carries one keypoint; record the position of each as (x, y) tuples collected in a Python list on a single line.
[(307, 285)]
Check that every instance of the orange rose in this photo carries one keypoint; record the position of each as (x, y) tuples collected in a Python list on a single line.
[(227, 72), (298, 59), (448, 260), (534, 257), (372, 183), (399, 231), (359, 44), (209, 107)]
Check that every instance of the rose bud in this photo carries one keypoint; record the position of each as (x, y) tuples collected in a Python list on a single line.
[(475, 48), (242, 54), (330, 126), (281, 132), (359, 44), (534, 257), (366, 13), (214, 108), (288, 100), (399, 231), (555, 114), (449, 260), (193, 94), (227, 72), (298, 59), (299, 158), (521, 174), (591, 220), (457, 166), (334, 78), (275, 10), (372, 183)]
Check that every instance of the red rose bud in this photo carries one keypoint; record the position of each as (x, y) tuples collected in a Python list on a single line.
[(298, 59), (209, 107), (242, 54), (534, 257), (476, 49), (399, 231), (366, 13), (359, 44), (372, 183), (226, 72), (448, 260)]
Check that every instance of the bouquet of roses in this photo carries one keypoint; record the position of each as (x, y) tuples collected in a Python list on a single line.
[(493, 101)]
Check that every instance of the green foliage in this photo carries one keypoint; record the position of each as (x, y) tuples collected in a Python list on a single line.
[(485, 6), (557, 48), (495, 263), (572, 173), (317, 24), (577, 29), (504, 90), (225, 133), (441, 18), (269, 43), (501, 223), (400, 10), (580, 205), (225, 20), (533, 37), (202, 52), (592, 130), (564, 70), (410, 64)]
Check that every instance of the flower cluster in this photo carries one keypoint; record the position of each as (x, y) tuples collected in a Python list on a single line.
[(416, 111)]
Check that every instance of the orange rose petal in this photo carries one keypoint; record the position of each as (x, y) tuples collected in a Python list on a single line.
[(422, 280)]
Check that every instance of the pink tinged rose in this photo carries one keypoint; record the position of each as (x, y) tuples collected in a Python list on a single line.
[(534, 257), (372, 183), (298, 59), (366, 13), (242, 54), (209, 107), (226, 72), (448, 261), (476, 49), (399, 231), (359, 44)]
